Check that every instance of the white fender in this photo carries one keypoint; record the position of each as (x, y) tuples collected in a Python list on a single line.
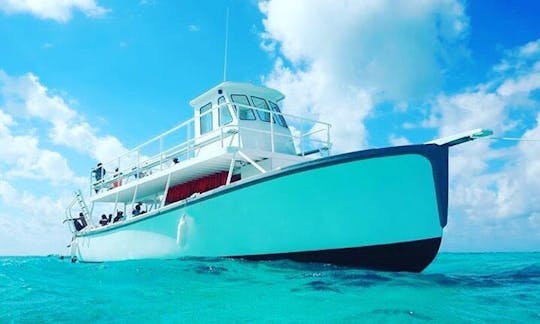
[(181, 231)]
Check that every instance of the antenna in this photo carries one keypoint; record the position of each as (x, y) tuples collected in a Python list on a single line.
[(226, 45)]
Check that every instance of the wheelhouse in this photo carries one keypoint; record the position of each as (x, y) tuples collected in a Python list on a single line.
[(252, 112)]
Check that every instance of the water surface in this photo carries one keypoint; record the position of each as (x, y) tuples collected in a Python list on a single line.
[(459, 287)]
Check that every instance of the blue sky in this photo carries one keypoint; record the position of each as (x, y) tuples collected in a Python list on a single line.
[(82, 80)]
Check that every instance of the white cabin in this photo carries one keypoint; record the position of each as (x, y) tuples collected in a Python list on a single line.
[(252, 112)]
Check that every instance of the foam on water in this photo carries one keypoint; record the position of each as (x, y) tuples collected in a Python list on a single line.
[(456, 287)]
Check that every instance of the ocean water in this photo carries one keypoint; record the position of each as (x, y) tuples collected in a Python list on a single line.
[(457, 287)]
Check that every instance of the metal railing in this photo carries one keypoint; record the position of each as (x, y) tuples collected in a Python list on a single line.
[(180, 144)]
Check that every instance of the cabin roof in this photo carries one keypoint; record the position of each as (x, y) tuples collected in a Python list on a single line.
[(237, 88)]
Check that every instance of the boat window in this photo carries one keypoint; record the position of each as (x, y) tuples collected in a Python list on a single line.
[(278, 115), (243, 112), (206, 119), (261, 104), (225, 116)]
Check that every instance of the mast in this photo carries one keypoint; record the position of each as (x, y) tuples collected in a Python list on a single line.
[(226, 45)]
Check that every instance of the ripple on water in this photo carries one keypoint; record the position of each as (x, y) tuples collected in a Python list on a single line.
[(400, 312), (458, 288), (210, 269)]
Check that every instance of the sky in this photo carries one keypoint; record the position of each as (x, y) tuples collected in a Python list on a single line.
[(81, 80)]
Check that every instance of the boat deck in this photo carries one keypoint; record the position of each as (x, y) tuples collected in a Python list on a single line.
[(194, 168)]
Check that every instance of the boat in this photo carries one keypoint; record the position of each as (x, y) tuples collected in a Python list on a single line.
[(242, 179)]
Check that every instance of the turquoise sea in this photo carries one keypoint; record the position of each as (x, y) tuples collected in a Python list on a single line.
[(457, 287)]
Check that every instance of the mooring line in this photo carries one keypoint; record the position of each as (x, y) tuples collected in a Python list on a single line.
[(515, 139)]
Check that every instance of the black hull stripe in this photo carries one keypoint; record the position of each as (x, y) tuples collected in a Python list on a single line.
[(412, 256)]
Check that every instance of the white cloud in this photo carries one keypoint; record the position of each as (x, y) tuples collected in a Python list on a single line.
[(501, 199), (520, 85), (519, 59), (530, 49), (469, 110), (58, 10), (5, 122), (398, 140), (312, 95), (193, 28), (490, 105), (497, 209), (7, 192), (336, 60), (31, 224), (147, 2), (27, 96), (23, 157), (340, 61)]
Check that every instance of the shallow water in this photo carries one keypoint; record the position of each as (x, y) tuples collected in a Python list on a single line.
[(456, 287)]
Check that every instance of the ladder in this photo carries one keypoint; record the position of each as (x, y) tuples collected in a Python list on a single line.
[(80, 201)]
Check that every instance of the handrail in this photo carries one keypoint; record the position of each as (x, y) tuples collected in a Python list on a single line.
[(187, 122), (149, 163), (292, 136), (137, 164), (136, 148)]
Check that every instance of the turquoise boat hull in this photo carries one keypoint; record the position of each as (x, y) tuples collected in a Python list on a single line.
[(380, 209)]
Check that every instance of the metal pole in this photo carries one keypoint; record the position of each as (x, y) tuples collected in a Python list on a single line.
[(134, 196), (226, 45), (302, 138), (272, 130), (231, 169), (166, 190), (161, 153)]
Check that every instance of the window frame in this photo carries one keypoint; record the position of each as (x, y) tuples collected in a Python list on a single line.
[(275, 108), (252, 114), (262, 112), (202, 115), (223, 106)]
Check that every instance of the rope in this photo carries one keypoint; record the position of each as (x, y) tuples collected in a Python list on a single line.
[(515, 139)]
